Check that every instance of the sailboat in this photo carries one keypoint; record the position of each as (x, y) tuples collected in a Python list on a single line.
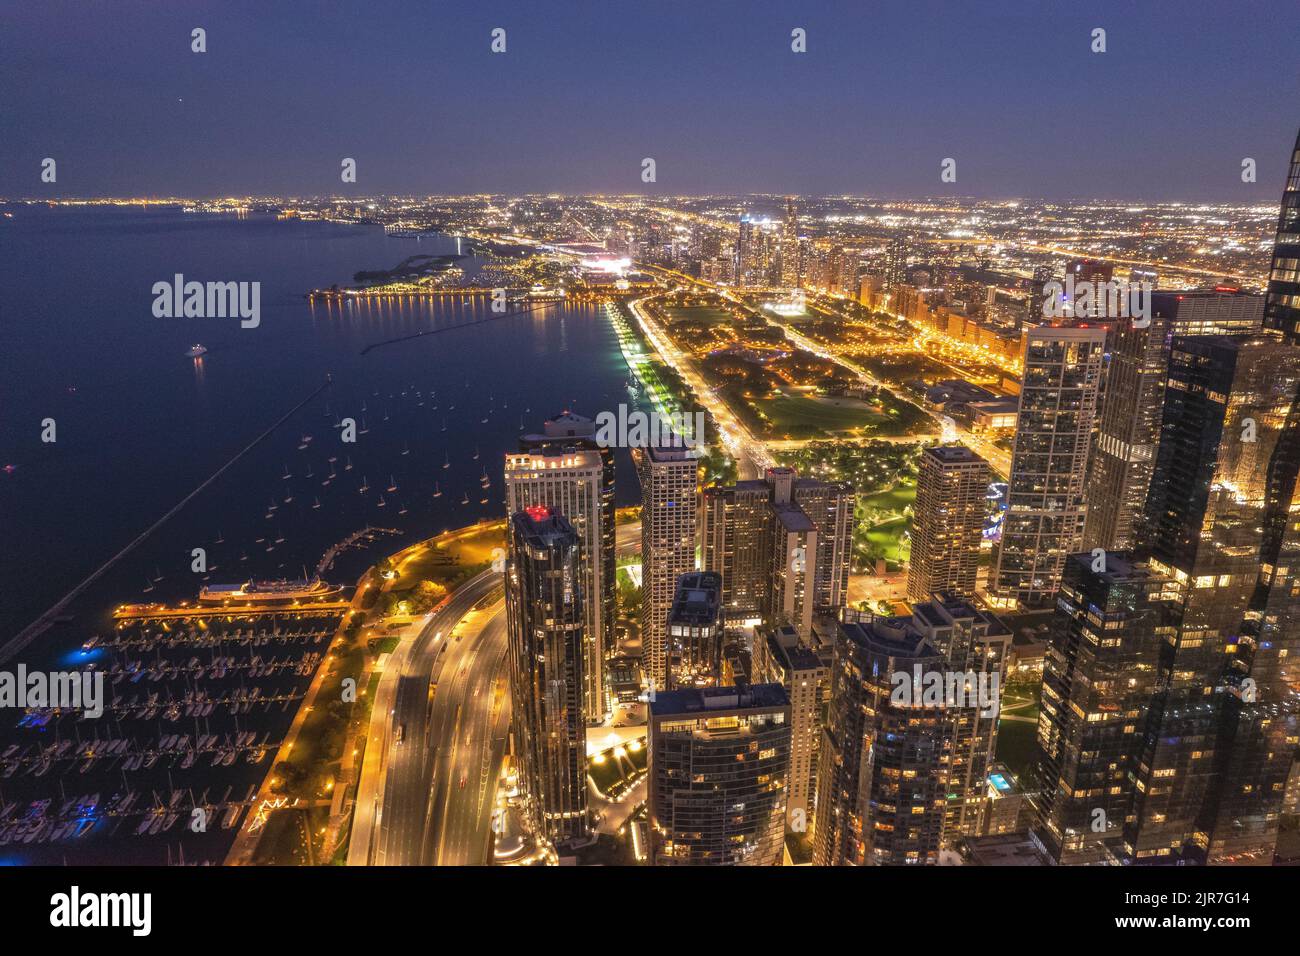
[(407, 449), (309, 473), (279, 536), (485, 481), (464, 499), (348, 464), (364, 429), (446, 460), (437, 492), (315, 504), (288, 496), (444, 424), (382, 502), (392, 485), (402, 510), (148, 585), (476, 452), (220, 539), (286, 476), (272, 506), (365, 485)]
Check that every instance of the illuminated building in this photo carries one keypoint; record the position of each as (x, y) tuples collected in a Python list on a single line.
[(1098, 681), (719, 759), (880, 781), (972, 642), (1045, 502), (1227, 403), (948, 521), (1260, 728), (1128, 430), (695, 631), (782, 545), (895, 271), (545, 623), (570, 474), (791, 251), (669, 509), (780, 657)]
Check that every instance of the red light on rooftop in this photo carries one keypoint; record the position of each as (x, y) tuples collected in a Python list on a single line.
[(538, 512)]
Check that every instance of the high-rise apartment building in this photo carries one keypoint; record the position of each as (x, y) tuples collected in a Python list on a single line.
[(1045, 501), (545, 622), (695, 631), (782, 545), (780, 657), (880, 781), (1099, 678), (669, 509), (904, 769), (1128, 429), (1260, 728), (948, 522), (895, 271), (1226, 409), (719, 760), (975, 645), (564, 469)]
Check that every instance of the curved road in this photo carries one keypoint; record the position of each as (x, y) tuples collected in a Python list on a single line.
[(450, 688)]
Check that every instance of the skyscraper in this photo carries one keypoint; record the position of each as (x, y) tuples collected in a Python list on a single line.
[(574, 477), (791, 258), (767, 536), (1259, 726), (1045, 501), (896, 254), (735, 541), (780, 657), (1099, 677), (794, 568), (974, 644), (880, 781), (719, 759), (948, 522), (1226, 404), (1123, 454), (669, 508), (545, 621), (695, 631)]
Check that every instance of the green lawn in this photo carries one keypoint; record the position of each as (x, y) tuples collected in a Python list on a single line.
[(792, 411), (887, 535), (894, 499)]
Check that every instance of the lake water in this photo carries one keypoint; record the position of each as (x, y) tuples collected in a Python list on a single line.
[(139, 425)]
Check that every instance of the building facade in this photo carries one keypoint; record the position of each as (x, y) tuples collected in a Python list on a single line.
[(948, 522), (719, 760), (669, 509), (1045, 501), (545, 623)]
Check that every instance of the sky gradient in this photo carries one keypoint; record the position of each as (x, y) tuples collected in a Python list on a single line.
[(709, 89)]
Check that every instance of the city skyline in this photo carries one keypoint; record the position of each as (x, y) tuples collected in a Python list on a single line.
[(612, 437)]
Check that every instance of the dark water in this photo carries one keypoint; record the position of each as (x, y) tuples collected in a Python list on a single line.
[(139, 425)]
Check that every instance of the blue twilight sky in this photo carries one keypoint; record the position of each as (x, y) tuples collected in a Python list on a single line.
[(709, 88)]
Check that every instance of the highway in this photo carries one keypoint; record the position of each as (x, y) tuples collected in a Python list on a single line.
[(393, 798), (428, 801)]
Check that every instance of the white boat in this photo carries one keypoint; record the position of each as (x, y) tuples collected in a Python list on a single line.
[(196, 351)]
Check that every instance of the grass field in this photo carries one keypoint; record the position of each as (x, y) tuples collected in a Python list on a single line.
[(698, 313), (793, 411), (895, 499), (887, 536)]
